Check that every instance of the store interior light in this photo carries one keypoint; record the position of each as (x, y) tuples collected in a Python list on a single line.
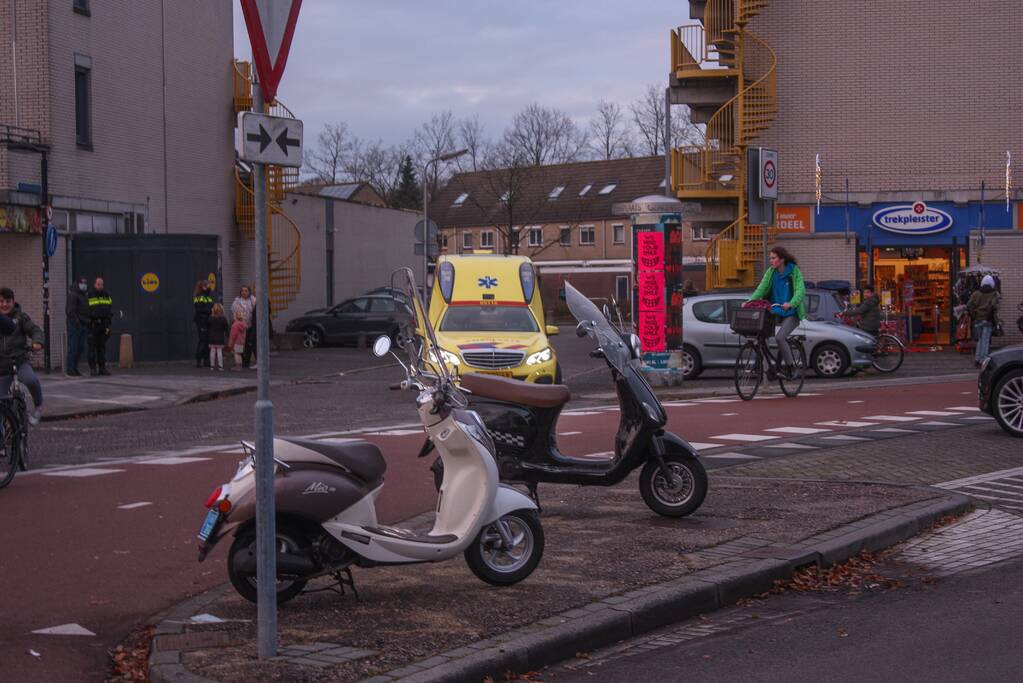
[(726, 178)]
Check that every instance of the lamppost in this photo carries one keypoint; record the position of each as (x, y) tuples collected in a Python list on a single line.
[(426, 214)]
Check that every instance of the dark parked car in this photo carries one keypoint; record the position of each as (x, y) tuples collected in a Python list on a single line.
[(1000, 388), (367, 316)]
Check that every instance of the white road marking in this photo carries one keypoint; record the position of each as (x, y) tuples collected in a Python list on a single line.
[(847, 423), (717, 400), (1000, 474), (766, 397), (797, 430), (65, 630), (568, 433), (744, 437), (678, 404), (969, 409), (891, 418), (978, 417), (844, 437), (81, 472), (931, 413), (704, 446), (172, 460), (729, 414), (896, 430), (581, 412), (733, 456), (935, 423), (792, 446), (856, 401), (808, 393), (132, 506)]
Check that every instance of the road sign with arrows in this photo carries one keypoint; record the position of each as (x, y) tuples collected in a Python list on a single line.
[(269, 139)]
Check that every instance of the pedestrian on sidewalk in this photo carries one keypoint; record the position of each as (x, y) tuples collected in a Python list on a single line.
[(218, 331), (783, 286), (983, 309), (18, 337), (244, 303), (101, 306), (202, 301), (869, 310), (689, 289), (237, 339), (77, 310)]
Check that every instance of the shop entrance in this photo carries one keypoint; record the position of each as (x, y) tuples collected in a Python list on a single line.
[(915, 286)]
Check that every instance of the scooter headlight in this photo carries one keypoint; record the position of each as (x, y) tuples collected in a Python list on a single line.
[(540, 357), (449, 358)]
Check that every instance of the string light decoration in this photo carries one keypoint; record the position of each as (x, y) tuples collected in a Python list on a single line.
[(817, 181)]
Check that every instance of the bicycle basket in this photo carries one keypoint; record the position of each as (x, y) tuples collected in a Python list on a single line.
[(752, 322)]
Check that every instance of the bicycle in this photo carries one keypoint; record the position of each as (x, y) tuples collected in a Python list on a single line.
[(13, 432), (889, 351), (749, 364)]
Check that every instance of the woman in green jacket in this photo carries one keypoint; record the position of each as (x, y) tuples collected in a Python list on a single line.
[(782, 285)]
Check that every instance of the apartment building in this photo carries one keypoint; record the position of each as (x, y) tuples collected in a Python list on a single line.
[(131, 101)]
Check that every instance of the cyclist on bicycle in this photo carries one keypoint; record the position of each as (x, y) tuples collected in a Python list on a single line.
[(18, 336), (869, 310), (783, 286)]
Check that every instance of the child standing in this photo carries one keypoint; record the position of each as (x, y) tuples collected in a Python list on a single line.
[(218, 329), (237, 340)]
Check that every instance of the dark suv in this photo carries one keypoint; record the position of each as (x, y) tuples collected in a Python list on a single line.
[(367, 316)]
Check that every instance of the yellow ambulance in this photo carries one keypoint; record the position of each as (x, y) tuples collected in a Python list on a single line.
[(488, 316)]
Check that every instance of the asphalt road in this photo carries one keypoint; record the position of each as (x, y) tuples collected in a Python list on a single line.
[(963, 628)]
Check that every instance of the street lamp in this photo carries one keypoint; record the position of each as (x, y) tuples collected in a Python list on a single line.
[(426, 215)]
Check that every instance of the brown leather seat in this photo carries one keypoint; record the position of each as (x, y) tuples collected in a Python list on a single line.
[(514, 391)]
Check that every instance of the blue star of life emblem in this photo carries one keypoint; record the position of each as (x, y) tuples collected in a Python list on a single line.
[(488, 282)]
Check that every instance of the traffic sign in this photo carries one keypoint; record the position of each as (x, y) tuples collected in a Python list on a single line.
[(433, 249), (431, 232), (271, 26), (49, 213), (768, 173), (51, 240), (269, 139)]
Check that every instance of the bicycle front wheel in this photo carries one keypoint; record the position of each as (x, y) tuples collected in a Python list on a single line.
[(889, 354), (793, 384), (10, 446), (748, 371)]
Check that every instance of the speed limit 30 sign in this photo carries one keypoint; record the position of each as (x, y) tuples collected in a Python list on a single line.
[(768, 173)]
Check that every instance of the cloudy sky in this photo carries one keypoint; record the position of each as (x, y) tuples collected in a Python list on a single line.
[(385, 66)]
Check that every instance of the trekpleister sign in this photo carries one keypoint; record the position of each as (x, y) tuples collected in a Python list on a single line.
[(271, 26), (269, 139)]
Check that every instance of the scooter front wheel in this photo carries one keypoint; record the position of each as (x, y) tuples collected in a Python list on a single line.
[(683, 494), (508, 550)]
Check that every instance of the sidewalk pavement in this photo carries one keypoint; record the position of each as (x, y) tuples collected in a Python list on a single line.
[(438, 623), (161, 385)]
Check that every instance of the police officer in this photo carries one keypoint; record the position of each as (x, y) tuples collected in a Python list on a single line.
[(100, 311), (202, 300)]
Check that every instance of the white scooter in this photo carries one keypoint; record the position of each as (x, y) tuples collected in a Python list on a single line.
[(325, 496)]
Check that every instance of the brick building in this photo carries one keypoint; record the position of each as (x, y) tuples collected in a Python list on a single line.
[(132, 100), (895, 100), (560, 216)]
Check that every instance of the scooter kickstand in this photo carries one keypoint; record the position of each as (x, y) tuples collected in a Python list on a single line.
[(535, 496), (344, 578)]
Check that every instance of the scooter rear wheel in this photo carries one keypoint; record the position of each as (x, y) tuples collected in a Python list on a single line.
[(290, 539), (493, 561), (680, 497)]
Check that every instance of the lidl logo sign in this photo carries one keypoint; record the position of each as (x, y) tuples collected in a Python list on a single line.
[(150, 282), (912, 219), (487, 282)]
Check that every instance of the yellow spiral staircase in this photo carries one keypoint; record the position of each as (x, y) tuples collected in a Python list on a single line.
[(284, 241), (728, 76)]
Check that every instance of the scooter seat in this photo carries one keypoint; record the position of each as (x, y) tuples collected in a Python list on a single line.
[(361, 458), (514, 391)]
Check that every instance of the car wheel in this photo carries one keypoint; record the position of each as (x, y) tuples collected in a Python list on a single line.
[(313, 338), (692, 364), (830, 360), (1008, 402)]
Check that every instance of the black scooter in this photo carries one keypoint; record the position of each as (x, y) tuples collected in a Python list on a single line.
[(522, 419)]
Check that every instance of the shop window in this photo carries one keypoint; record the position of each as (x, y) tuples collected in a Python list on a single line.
[(587, 235), (618, 234)]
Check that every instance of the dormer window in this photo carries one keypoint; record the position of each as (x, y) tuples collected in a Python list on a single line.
[(582, 192), (609, 188), (556, 192)]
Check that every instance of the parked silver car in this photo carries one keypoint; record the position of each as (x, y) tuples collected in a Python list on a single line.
[(708, 341)]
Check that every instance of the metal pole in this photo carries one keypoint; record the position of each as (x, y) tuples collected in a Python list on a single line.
[(426, 228), (667, 143), (266, 534), (44, 202)]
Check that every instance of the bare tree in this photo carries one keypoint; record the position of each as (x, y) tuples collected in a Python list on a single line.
[(433, 139), (472, 138), (610, 134), (649, 117), (333, 148), (544, 135)]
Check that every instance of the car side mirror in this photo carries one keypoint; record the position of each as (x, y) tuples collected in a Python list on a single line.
[(552, 330), (381, 346)]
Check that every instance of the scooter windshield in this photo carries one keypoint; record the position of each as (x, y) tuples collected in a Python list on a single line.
[(607, 337)]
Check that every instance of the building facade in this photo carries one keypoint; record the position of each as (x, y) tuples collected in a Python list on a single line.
[(132, 102), (897, 141), (561, 216)]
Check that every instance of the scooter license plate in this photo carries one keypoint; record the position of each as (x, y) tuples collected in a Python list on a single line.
[(209, 525)]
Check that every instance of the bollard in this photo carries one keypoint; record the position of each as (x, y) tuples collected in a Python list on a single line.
[(126, 357)]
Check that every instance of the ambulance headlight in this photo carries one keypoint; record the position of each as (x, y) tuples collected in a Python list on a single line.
[(540, 357)]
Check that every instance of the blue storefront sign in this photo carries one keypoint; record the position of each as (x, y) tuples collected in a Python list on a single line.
[(914, 223)]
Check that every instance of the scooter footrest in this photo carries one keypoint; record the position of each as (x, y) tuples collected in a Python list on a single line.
[(405, 535)]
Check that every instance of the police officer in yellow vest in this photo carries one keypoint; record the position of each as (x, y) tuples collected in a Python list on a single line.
[(100, 312), (202, 300)]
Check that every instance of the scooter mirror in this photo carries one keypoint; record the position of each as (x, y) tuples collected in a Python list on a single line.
[(381, 346), (582, 329), (607, 312)]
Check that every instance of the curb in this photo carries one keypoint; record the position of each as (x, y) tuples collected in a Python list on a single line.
[(755, 566)]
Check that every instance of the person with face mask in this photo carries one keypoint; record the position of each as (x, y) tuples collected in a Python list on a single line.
[(77, 311), (18, 337), (101, 307)]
